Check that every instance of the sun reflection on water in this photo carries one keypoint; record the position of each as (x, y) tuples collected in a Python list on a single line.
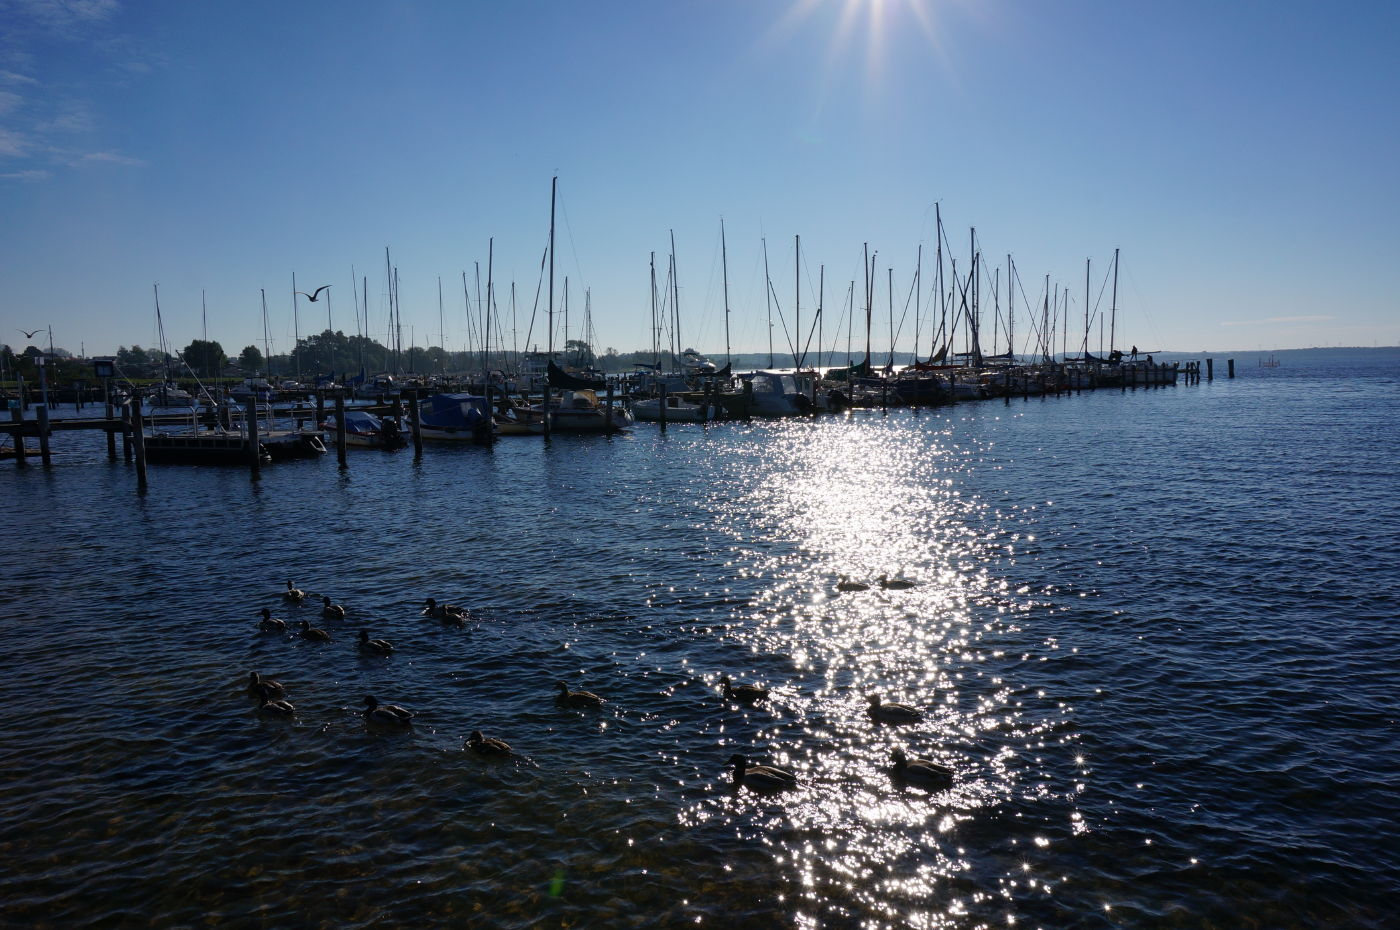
[(860, 500)]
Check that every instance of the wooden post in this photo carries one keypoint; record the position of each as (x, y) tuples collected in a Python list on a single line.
[(885, 396), (340, 427), (17, 415), (138, 439), (1210, 369), (610, 405), (126, 433), (413, 421), (748, 399), (41, 413), (952, 387), (491, 411), (254, 445), (1231, 363), (320, 407), (111, 435), (662, 396)]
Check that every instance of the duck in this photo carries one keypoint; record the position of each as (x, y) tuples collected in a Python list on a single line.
[(845, 584), (271, 624), (377, 646), (449, 612), (294, 594), (760, 777), (892, 713), (920, 772), (271, 708), (577, 698), (265, 688), (331, 611), (486, 745), (895, 584), (744, 694), (316, 636), (391, 714)]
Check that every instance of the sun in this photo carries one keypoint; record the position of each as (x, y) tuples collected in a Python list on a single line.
[(870, 23)]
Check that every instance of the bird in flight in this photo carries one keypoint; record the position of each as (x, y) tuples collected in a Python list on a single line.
[(312, 297), (32, 335)]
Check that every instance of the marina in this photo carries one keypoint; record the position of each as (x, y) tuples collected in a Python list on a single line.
[(1117, 697)]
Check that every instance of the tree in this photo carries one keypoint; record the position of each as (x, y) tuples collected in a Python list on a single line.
[(205, 357), (133, 357), (250, 360), (583, 354)]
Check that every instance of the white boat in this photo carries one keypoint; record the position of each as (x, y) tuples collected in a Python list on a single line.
[(777, 395), (581, 412), (678, 410)]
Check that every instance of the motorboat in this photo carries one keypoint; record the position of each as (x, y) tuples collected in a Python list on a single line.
[(365, 430), (455, 418)]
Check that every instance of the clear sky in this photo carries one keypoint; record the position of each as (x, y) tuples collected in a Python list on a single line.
[(1242, 155)]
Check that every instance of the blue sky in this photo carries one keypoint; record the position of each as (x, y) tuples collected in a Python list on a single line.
[(1241, 155)]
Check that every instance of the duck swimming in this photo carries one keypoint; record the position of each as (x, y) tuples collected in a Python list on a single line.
[(264, 688), (316, 636), (487, 746), (294, 594), (269, 708), (744, 694), (390, 714), (896, 583), (450, 613), (331, 611), (760, 777), (892, 713), (271, 624), (577, 698), (380, 647), (845, 584), (920, 772)]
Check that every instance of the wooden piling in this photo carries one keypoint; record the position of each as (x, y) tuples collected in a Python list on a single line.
[(414, 424), (138, 440), (610, 405), (1231, 364), (320, 407), (17, 416), (41, 414), (111, 433), (662, 395), (340, 428), (254, 444), (1210, 369), (748, 399)]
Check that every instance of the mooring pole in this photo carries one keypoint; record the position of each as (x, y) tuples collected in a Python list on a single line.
[(610, 406), (17, 415), (111, 433), (1231, 363), (138, 439), (413, 420), (662, 397), (254, 445), (340, 428), (41, 414)]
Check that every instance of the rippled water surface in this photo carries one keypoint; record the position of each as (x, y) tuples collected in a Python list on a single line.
[(1154, 636)]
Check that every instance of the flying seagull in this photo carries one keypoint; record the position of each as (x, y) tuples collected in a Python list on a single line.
[(31, 335), (312, 297)]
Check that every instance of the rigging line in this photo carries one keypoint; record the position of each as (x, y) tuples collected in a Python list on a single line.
[(791, 348), (529, 333), (908, 298)]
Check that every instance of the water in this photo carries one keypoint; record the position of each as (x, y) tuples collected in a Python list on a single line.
[(1154, 637)]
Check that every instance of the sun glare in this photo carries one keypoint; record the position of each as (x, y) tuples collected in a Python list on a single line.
[(873, 24)]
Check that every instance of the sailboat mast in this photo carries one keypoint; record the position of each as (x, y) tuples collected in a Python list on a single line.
[(1010, 309), (868, 308), (942, 295), (204, 309), (442, 339), (724, 260), (553, 190), (768, 293), (890, 288), (676, 302), (267, 341), (918, 298), (1085, 351), (490, 300), (797, 298), (296, 327), (655, 330), (1113, 320)]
